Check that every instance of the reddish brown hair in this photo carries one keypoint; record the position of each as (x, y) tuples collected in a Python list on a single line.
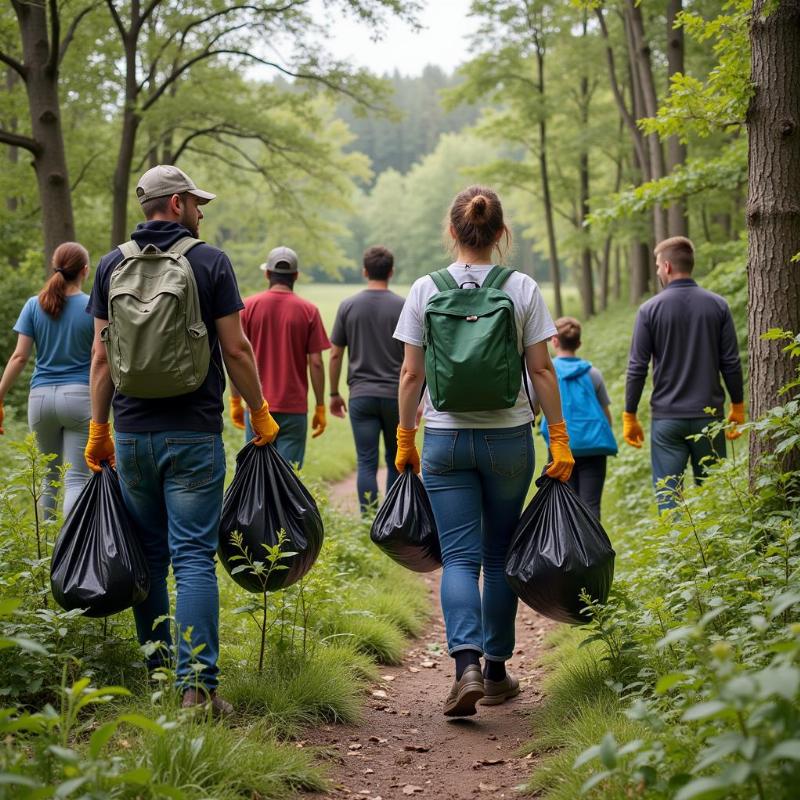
[(476, 217), (68, 261)]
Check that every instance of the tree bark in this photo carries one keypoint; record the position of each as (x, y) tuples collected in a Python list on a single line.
[(586, 279), (640, 271), (677, 219), (40, 60), (640, 50), (552, 247), (773, 205)]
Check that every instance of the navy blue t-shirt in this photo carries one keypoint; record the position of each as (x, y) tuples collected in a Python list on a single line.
[(200, 410)]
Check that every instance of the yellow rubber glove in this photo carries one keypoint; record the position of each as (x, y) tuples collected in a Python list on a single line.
[(318, 422), (100, 446), (263, 425), (406, 450), (632, 431), (736, 416), (2, 417), (237, 412), (563, 460)]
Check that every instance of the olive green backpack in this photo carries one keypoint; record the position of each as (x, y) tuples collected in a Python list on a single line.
[(472, 361), (156, 340)]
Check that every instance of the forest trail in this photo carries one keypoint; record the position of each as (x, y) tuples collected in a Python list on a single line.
[(404, 746)]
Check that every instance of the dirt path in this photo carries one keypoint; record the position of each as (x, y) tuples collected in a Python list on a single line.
[(404, 746)]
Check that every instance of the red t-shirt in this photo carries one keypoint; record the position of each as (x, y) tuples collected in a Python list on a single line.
[(283, 329)]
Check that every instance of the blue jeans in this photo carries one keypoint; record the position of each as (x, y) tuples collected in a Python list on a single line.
[(291, 441), (477, 480), (670, 451), (369, 417), (172, 486)]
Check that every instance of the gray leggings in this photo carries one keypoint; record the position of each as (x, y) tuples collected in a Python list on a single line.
[(59, 416)]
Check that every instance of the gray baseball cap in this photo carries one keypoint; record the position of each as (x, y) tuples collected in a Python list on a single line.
[(280, 259), (168, 180)]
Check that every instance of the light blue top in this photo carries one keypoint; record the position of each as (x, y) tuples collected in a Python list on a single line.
[(63, 344)]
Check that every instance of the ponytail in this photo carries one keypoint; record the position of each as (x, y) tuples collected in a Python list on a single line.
[(69, 259)]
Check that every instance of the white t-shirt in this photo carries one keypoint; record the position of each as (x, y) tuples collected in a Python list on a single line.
[(534, 324)]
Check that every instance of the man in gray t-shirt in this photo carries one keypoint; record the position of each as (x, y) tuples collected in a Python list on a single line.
[(365, 326)]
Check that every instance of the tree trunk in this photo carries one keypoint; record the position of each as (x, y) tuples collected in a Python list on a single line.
[(586, 280), (127, 143), (677, 220), (640, 50), (640, 271), (49, 157), (552, 248), (773, 205), (617, 273), (605, 268)]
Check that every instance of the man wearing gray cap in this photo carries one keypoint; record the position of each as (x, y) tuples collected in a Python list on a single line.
[(288, 338), (168, 449)]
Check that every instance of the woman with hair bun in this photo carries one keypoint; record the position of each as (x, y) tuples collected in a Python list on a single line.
[(477, 455), (56, 323)]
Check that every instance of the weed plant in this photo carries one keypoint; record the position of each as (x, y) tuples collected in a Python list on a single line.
[(687, 683), (308, 660)]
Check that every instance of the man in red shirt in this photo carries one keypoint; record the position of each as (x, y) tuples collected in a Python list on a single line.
[(288, 338)]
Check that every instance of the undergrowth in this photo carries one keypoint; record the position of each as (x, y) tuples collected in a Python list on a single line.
[(686, 684), (61, 736)]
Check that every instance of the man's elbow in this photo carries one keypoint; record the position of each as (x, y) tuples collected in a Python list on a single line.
[(410, 374)]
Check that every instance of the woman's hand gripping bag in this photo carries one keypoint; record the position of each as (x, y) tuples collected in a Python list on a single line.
[(404, 527), (265, 497), (558, 550), (97, 561)]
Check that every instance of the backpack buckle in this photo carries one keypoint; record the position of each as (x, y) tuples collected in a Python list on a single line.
[(472, 318)]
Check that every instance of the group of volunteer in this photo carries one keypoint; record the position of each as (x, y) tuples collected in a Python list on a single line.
[(468, 350)]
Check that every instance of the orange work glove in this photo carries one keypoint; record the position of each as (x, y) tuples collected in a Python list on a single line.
[(263, 425), (735, 415), (100, 446), (318, 422), (406, 450), (2, 417), (237, 412), (632, 431), (563, 460)]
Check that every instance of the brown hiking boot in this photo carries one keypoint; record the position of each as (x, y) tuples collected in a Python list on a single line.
[(466, 691), (201, 698), (499, 691)]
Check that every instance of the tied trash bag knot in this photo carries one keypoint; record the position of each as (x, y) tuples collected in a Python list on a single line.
[(264, 498), (97, 561), (404, 527), (559, 549)]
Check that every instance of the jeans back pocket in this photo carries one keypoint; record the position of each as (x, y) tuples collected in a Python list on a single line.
[(508, 452), (192, 460), (437, 451)]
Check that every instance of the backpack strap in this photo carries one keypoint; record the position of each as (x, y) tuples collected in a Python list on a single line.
[(497, 277), (183, 246), (129, 249), (443, 280)]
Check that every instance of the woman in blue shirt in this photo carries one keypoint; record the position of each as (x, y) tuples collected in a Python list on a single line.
[(57, 324)]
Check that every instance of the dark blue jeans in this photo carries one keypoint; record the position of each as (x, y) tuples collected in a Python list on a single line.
[(172, 486), (477, 480), (291, 441), (370, 417), (670, 451)]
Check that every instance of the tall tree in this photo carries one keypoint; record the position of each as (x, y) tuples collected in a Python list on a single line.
[(163, 40), (677, 219), (773, 208), (43, 42)]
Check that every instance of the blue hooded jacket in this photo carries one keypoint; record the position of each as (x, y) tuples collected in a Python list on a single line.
[(587, 426)]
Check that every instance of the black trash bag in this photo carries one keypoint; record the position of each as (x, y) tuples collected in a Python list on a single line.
[(97, 561), (404, 527), (559, 549), (264, 497)]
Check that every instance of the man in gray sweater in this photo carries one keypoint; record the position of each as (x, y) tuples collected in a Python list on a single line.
[(688, 333)]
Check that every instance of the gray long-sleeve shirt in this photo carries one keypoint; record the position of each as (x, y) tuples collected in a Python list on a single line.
[(689, 334)]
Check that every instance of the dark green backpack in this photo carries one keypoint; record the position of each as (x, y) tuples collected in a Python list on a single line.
[(471, 358)]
